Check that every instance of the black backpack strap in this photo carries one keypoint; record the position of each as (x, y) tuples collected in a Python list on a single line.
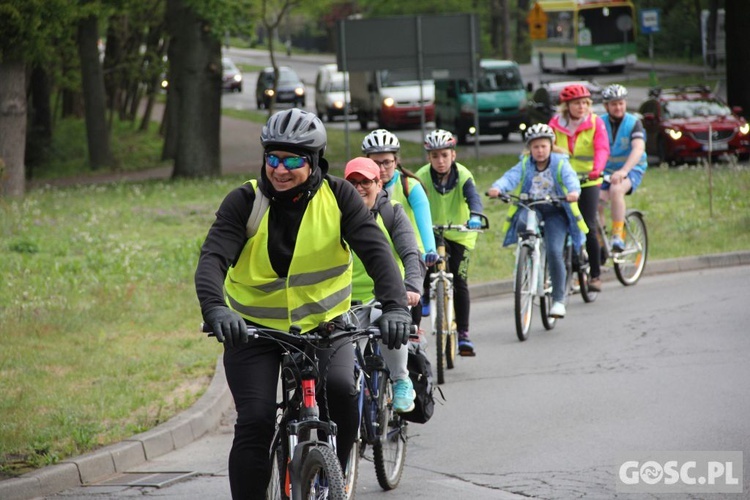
[(388, 214)]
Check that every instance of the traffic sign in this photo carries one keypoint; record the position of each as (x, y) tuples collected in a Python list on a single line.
[(537, 20), (650, 19)]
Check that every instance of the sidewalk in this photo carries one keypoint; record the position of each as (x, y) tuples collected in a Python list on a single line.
[(205, 415)]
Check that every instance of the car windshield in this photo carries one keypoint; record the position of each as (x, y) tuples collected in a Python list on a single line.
[(391, 78), (228, 66), (288, 77), (336, 86), (492, 80), (695, 108)]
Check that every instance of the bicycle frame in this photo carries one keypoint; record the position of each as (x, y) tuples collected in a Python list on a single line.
[(533, 237)]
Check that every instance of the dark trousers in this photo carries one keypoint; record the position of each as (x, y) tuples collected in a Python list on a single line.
[(589, 205), (252, 372)]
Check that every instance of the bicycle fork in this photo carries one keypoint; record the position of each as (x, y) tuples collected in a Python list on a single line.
[(447, 279)]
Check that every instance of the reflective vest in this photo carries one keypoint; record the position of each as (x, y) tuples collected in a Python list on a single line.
[(397, 193), (582, 157), (451, 207), (619, 146), (362, 285), (573, 211), (316, 289)]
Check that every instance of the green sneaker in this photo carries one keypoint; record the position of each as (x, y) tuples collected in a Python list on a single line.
[(403, 395)]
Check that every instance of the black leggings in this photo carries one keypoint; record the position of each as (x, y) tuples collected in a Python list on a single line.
[(252, 372), (589, 205), (458, 264)]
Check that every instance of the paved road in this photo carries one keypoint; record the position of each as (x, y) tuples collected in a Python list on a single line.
[(659, 366)]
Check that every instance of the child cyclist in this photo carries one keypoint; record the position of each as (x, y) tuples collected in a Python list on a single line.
[(453, 198), (364, 175), (404, 187), (540, 173), (627, 161)]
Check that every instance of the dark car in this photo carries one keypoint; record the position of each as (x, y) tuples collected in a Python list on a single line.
[(686, 123), (290, 89), (543, 103), (231, 77)]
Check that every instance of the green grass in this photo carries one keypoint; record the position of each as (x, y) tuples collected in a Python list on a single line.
[(98, 315)]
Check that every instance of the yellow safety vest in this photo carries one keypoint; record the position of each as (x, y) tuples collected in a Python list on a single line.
[(318, 287), (582, 159)]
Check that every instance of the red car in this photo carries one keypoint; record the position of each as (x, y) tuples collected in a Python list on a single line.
[(683, 124)]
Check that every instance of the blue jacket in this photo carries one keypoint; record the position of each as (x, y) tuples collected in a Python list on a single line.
[(517, 179)]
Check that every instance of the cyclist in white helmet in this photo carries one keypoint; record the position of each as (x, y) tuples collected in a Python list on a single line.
[(627, 158), (404, 187), (453, 197), (542, 172)]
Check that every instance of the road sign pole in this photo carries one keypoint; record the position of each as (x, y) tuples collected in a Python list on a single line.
[(652, 74)]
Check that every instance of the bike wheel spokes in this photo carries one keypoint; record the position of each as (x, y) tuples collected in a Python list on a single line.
[(545, 301), (630, 263), (278, 486), (389, 452), (524, 293), (442, 329)]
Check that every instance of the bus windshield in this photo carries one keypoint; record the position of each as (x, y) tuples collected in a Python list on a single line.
[(605, 25)]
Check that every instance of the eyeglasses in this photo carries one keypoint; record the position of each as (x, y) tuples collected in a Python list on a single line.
[(365, 183), (384, 163), (290, 162)]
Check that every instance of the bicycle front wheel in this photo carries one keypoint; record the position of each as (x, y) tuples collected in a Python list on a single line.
[(545, 301), (351, 474), (630, 263), (321, 475), (278, 486), (442, 330), (524, 292), (389, 451)]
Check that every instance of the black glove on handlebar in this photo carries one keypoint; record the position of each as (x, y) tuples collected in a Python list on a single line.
[(228, 326), (394, 328)]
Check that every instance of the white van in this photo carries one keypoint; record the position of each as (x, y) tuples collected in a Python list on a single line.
[(329, 92)]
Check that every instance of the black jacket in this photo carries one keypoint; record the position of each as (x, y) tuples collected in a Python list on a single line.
[(227, 237)]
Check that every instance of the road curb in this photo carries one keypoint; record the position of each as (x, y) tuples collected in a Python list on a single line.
[(205, 415), (177, 432)]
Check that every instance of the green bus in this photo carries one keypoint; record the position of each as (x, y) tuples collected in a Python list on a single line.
[(586, 35)]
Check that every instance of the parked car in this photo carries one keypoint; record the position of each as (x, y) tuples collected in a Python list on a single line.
[(330, 98), (231, 76), (544, 100), (290, 89), (685, 123)]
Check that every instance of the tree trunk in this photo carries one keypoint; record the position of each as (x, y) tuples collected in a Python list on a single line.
[(12, 128), (198, 92), (94, 96), (522, 30), (737, 25), (496, 16), (507, 39), (39, 133)]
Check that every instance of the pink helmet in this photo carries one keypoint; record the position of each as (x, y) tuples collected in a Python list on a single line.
[(575, 91)]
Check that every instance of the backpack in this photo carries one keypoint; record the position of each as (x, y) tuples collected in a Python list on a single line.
[(420, 373)]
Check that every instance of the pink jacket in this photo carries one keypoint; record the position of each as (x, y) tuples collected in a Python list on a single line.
[(601, 140)]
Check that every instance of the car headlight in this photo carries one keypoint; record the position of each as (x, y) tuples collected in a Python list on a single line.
[(744, 128), (237, 78), (300, 91), (674, 134), (164, 84), (388, 102), (338, 104), (268, 92)]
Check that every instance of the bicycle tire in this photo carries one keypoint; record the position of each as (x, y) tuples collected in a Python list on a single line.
[(629, 265), (523, 293), (389, 451), (277, 486), (441, 330), (351, 474), (545, 301), (584, 277), (321, 474)]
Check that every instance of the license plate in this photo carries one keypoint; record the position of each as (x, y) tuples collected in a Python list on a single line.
[(717, 146), (498, 124), (413, 113)]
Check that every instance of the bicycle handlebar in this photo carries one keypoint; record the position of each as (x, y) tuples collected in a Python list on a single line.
[(528, 201), (314, 337), (463, 227)]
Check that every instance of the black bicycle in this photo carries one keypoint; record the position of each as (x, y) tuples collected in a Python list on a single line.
[(303, 451)]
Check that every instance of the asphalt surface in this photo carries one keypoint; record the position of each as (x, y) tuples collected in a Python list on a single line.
[(241, 153)]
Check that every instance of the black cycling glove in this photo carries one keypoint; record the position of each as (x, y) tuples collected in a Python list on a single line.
[(394, 328), (228, 326)]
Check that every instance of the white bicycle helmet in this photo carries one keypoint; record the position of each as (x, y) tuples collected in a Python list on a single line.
[(380, 141), (614, 92), (297, 129), (439, 139), (539, 131)]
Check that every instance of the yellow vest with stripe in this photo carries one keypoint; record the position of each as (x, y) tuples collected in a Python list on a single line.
[(399, 195), (318, 287), (362, 285), (582, 158)]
